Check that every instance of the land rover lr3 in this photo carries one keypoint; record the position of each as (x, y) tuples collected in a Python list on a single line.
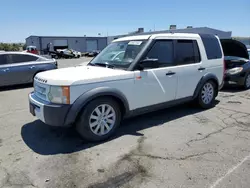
[(131, 76)]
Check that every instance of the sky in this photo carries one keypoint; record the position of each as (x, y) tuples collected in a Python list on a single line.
[(20, 19)]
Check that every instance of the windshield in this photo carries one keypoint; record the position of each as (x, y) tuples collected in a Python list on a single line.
[(119, 54)]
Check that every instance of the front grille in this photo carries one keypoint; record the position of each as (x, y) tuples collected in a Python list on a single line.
[(40, 91)]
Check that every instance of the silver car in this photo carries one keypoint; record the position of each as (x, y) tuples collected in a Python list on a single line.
[(21, 67)]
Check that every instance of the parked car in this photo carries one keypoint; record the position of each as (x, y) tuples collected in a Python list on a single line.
[(237, 63), (248, 50), (93, 53), (155, 72), (65, 53), (238, 71), (32, 49), (21, 67), (77, 54)]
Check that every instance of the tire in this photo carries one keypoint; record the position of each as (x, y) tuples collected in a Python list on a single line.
[(209, 90), (94, 134), (247, 82)]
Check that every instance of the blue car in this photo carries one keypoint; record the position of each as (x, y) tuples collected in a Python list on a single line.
[(21, 67)]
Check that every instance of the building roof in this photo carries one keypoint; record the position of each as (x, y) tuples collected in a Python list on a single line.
[(88, 37), (185, 30)]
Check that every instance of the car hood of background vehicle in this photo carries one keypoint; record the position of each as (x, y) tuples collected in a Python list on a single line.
[(81, 75), (232, 61), (235, 48)]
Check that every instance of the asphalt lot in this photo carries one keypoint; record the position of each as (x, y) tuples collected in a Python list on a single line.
[(180, 147)]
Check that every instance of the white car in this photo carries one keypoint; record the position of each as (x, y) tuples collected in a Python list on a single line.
[(156, 71), (77, 54), (74, 53)]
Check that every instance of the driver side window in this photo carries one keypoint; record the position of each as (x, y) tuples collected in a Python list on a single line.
[(163, 51)]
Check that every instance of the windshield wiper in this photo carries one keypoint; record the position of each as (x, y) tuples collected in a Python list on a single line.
[(103, 65)]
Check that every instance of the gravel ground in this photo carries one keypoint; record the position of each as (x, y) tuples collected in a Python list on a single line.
[(180, 147)]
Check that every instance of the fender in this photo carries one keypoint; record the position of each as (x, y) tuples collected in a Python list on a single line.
[(81, 101), (206, 77)]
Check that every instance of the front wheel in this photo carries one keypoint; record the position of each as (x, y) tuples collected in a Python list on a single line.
[(99, 119), (207, 95), (247, 81)]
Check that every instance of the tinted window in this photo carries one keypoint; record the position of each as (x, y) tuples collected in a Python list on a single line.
[(187, 52), (3, 59), (163, 51), (212, 46), (20, 58)]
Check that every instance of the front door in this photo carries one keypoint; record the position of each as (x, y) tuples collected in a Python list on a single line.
[(23, 67), (157, 85)]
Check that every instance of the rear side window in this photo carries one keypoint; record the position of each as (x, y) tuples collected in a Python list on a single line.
[(22, 58), (187, 52), (212, 46)]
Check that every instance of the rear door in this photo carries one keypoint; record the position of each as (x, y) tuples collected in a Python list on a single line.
[(5, 78), (189, 67), (23, 67)]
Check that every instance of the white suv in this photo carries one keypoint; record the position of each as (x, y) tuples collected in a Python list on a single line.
[(153, 72)]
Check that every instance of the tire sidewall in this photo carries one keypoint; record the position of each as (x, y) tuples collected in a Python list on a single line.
[(83, 126), (201, 103)]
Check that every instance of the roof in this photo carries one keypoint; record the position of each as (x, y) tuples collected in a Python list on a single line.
[(145, 37), (137, 37)]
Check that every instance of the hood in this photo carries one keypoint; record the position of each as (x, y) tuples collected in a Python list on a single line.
[(235, 48), (83, 63), (81, 75)]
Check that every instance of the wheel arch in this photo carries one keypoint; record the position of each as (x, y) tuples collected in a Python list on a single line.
[(203, 80), (85, 98)]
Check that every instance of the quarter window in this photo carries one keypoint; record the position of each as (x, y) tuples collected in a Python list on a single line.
[(212, 46), (163, 51), (187, 52), (20, 58)]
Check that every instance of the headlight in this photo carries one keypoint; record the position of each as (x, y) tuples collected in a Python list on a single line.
[(235, 70), (59, 94)]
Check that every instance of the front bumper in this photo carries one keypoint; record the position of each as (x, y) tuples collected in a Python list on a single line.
[(238, 79), (49, 113)]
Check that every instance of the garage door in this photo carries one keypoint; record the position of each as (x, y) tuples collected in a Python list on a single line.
[(91, 45), (61, 42)]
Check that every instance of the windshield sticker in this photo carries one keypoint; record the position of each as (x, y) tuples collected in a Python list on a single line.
[(135, 43)]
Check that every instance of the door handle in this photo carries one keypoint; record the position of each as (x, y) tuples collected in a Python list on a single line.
[(32, 67), (6, 70), (170, 73), (201, 68)]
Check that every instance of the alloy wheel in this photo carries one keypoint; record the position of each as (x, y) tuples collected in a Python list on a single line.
[(102, 119), (207, 93)]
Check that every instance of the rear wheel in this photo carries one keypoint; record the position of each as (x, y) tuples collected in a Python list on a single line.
[(99, 119), (207, 95), (247, 81)]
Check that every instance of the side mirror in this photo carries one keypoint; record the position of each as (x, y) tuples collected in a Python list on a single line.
[(148, 63)]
